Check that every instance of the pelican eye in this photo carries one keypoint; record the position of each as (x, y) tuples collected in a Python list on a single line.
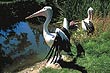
[(44, 8)]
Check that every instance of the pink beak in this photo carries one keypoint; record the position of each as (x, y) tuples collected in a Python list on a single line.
[(38, 13), (91, 15)]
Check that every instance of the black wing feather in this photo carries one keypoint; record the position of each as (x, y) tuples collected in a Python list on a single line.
[(51, 53), (89, 27), (54, 49), (59, 45)]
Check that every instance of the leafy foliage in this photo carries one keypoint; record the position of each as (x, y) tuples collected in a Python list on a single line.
[(77, 9)]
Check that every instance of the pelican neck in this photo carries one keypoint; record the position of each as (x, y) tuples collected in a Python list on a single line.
[(45, 26), (89, 16)]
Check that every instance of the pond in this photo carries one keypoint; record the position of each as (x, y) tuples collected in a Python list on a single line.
[(22, 45)]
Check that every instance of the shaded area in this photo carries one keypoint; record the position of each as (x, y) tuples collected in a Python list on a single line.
[(15, 11), (72, 65), (4, 59)]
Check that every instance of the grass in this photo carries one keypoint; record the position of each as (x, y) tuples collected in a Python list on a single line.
[(97, 54), (97, 59), (97, 48)]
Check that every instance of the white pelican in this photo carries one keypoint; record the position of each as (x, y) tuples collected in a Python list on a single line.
[(87, 24), (58, 41)]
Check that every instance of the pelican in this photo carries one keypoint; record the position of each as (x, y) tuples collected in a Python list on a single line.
[(57, 41), (73, 25), (87, 24)]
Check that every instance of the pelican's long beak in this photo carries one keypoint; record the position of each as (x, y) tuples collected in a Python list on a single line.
[(91, 15), (38, 13)]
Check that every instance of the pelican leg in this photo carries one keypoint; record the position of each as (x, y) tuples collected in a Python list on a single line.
[(57, 57), (80, 50)]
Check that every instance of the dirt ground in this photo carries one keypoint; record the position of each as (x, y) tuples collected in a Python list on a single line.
[(36, 68)]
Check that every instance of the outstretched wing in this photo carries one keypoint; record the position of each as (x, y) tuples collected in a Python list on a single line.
[(61, 42), (54, 50), (65, 39)]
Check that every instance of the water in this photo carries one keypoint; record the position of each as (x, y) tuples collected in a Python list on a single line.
[(22, 42)]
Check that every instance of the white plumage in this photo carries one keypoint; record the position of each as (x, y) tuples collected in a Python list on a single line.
[(87, 24), (58, 41)]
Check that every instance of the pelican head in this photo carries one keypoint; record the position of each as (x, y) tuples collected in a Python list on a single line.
[(90, 13), (46, 11)]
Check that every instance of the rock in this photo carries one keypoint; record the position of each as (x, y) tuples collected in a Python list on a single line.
[(53, 65), (32, 69)]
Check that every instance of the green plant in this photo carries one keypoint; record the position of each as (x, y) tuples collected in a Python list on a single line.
[(77, 9)]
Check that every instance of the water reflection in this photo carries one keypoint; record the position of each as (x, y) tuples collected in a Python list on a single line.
[(20, 42)]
